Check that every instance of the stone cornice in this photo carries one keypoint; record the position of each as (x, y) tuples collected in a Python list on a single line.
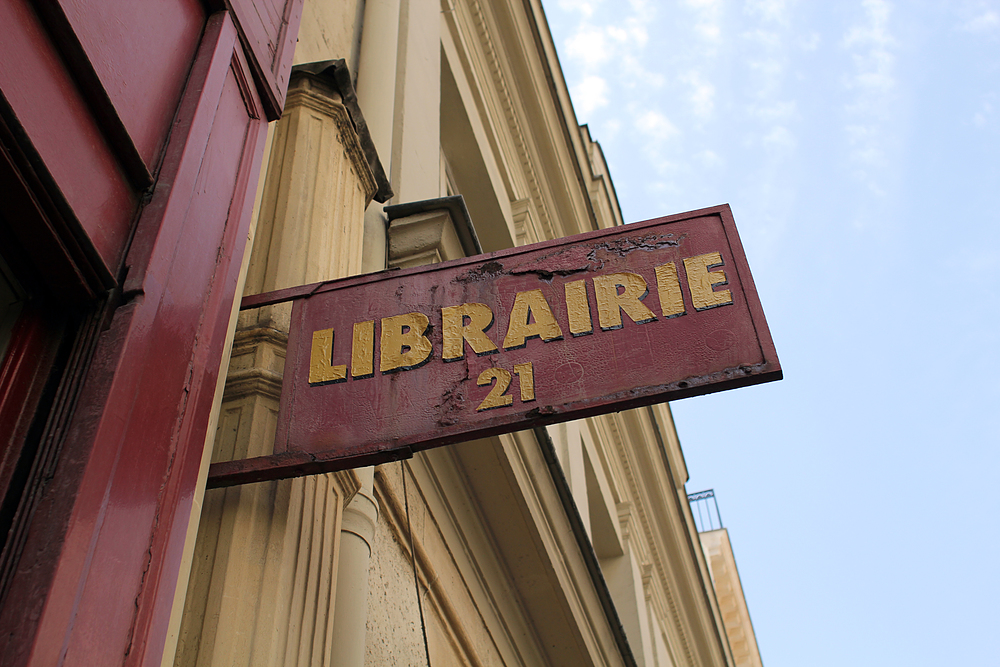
[(264, 351), (310, 91)]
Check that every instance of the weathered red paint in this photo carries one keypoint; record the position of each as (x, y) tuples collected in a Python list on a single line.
[(152, 392), (96, 579), (269, 28), (55, 116), (324, 427), (166, 33)]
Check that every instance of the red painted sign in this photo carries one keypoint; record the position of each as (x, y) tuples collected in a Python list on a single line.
[(381, 365)]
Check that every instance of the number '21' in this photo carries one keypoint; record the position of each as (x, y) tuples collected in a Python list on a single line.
[(498, 398)]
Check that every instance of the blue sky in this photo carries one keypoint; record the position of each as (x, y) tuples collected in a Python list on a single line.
[(858, 143)]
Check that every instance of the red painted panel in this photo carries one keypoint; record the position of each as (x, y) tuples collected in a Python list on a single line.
[(23, 371), (118, 506), (60, 127), (178, 332), (269, 28), (696, 348), (142, 51)]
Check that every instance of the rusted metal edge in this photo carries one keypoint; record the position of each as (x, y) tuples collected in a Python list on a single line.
[(303, 291), (299, 464), (749, 287), (287, 465), (722, 211)]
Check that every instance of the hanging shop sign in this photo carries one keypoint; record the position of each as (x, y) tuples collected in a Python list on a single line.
[(381, 365)]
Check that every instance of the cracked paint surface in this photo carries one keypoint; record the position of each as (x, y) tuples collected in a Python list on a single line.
[(596, 323)]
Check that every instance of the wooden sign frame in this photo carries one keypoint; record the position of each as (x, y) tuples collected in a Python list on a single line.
[(382, 365)]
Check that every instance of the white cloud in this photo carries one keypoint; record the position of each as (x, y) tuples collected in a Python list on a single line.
[(592, 47), (655, 126), (708, 18), (631, 33), (590, 94), (867, 150), (874, 32), (809, 42), (769, 39), (773, 11), (589, 45), (775, 111), (586, 8), (771, 70), (780, 138), (769, 62), (984, 115), (711, 5), (702, 94), (988, 21), (709, 158), (875, 71), (869, 127), (709, 31), (635, 74)]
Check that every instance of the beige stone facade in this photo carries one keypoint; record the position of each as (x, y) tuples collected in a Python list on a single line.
[(729, 593), (573, 545)]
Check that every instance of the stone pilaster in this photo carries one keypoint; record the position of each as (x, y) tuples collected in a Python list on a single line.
[(729, 592), (264, 577), (318, 186)]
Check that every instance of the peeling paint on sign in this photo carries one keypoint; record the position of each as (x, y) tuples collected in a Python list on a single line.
[(382, 365)]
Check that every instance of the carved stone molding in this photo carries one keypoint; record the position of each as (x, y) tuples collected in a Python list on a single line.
[(729, 592), (309, 91), (423, 238), (524, 215), (257, 363), (430, 231)]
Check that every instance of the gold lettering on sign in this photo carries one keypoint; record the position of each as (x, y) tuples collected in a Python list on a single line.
[(403, 344), (669, 287), (500, 379), (496, 397), (455, 331), (578, 308), (527, 306), (526, 378), (610, 303), (702, 281), (363, 350), (321, 368)]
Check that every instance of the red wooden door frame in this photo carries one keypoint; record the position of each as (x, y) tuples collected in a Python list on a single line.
[(96, 579)]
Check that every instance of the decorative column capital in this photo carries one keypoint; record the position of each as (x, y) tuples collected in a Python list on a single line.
[(430, 231), (310, 91), (336, 76)]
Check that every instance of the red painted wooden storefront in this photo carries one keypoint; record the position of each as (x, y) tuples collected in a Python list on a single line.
[(131, 134)]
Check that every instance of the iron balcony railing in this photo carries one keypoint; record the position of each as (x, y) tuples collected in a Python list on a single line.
[(705, 509)]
